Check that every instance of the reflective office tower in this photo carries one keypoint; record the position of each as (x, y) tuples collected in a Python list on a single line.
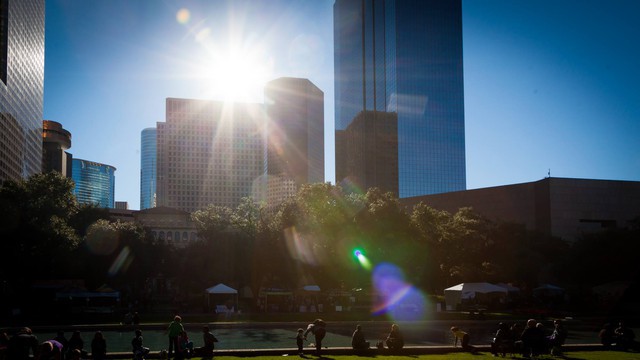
[(55, 142), (405, 57), (209, 152), (148, 156), (295, 136), (95, 183), (371, 151), (21, 87)]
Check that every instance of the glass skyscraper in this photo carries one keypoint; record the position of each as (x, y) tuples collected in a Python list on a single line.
[(404, 57), (21, 87), (148, 158), (95, 183)]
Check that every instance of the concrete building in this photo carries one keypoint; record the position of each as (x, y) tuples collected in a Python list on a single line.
[(95, 183), (561, 207), (55, 143), (21, 87), (148, 168), (405, 57), (167, 225), (209, 152)]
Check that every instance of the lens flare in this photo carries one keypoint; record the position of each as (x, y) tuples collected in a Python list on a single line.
[(183, 16), (122, 262), (397, 298), (364, 262)]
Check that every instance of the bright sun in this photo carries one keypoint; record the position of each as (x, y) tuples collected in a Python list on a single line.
[(233, 68), (237, 76)]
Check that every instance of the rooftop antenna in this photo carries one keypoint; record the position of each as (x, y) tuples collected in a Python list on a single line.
[(549, 173)]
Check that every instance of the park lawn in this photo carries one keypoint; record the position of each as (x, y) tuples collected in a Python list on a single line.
[(578, 355)]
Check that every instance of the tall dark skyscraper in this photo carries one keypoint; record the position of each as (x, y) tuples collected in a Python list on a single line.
[(21, 87), (404, 57)]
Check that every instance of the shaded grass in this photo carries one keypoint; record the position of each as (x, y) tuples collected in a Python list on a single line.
[(577, 355)]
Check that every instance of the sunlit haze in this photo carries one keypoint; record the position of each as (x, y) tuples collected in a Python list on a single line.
[(550, 86)]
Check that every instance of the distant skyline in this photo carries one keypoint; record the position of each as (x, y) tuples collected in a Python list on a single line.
[(549, 85)]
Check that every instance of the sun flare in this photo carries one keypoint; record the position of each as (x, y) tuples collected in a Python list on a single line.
[(238, 77)]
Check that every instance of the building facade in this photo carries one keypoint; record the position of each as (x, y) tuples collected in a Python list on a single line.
[(294, 135), (21, 87), (148, 160), (561, 207), (209, 152), (295, 130), (371, 152), (405, 57), (55, 143), (95, 183)]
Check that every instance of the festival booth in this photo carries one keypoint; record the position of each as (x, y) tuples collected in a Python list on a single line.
[(275, 300), (224, 298), (80, 300), (308, 299), (472, 293)]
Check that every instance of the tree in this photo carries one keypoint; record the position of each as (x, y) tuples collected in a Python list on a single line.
[(34, 227)]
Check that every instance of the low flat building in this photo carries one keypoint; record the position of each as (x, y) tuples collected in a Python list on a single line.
[(562, 207)]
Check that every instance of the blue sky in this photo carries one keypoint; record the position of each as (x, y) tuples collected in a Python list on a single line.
[(548, 84)]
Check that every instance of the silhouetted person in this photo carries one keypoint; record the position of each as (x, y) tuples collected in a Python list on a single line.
[(318, 329), (174, 330), (22, 345), (209, 340), (607, 336), (503, 341), (532, 339), (358, 342), (98, 346), (464, 339), (139, 350), (624, 337), (394, 340), (50, 350), (75, 343)]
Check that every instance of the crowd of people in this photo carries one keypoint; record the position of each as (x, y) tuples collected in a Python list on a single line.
[(24, 345), (530, 341), (533, 340)]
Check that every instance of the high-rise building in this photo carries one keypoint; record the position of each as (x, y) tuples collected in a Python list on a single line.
[(405, 57), (55, 142), (295, 136), (148, 157), (209, 152), (95, 183), (21, 87), (371, 160)]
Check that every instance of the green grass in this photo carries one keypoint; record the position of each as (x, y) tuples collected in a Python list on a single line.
[(578, 355)]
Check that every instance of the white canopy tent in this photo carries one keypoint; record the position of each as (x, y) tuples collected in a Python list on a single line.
[(455, 294), (222, 291)]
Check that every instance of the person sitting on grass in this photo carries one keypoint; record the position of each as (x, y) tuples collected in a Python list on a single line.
[(209, 340), (139, 351), (395, 341), (464, 339), (358, 341)]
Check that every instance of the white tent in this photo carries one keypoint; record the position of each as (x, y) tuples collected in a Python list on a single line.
[(454, 295), (220, 291), (314, 288)]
